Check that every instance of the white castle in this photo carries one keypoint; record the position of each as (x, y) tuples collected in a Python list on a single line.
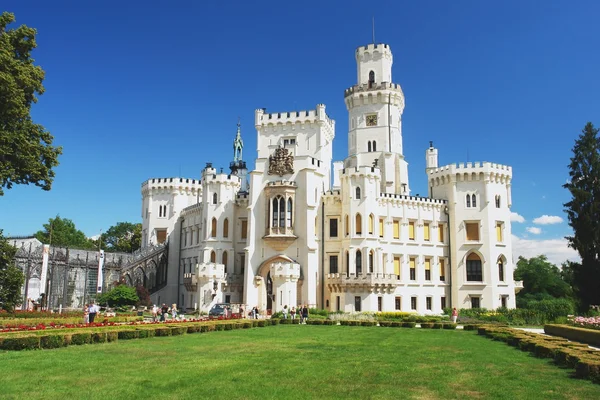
[(344, 235)]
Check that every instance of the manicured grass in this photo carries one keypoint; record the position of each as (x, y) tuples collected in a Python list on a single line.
[(291, 362)]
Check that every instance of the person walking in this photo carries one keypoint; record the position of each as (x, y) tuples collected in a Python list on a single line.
[(305, 313), (293, 312), (92, 312), (163, 312), (285, 312), (454, 315)]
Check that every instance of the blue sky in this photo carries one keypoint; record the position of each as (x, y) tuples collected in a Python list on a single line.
[(142, 89)]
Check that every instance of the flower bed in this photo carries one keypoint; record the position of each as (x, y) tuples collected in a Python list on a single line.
[(12, 324), (581, 357), (585, 322)]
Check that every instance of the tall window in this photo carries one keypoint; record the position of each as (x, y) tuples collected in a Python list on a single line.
[(357, 193), (214, 198), (213, 228), (442, 270), (413, 303), (497, 201), (468, 200), (244, 233), (441, 233), (371, 260), (369, 146), (396, 225), (374, 145), (347, 225), (224, 260), (333, 264), (213, 257), (371, 79), (428, 303), (426, 232), (427, 269), (380, 227), (281, 212), (411, 231), (289, 212), (474, 200), (333, 227), (358, 262), (398, 303), (443, 302), (371, 224), (226, 228), (413, 269), (499, 232), (397, 266), (275, 212), (474, 269), (475, 302), (358, 224), (500, 269), (472, 229), (347, 263)]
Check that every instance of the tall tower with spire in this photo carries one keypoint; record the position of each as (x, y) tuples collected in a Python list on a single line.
[(238, 166)]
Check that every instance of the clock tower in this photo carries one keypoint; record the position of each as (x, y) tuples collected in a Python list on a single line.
[(375, 107)]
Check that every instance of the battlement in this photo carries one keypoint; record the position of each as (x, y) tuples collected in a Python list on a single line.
[(372, 47), (413, 199), (362, 171), (223, 178), (282, 183), (366, 88), (471, 169), (191, 209), (262, 118), (171, 184)]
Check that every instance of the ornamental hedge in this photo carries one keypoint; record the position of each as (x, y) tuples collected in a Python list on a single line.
[(583, 335), (565, 353)]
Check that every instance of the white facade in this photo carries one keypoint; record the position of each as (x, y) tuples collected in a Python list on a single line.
[(337, 235)]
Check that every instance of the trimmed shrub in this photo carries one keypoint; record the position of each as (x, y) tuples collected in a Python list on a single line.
[(178, 330), (316, 321), (470, 327), (450, 326), (261, 323), (589, 336), (385, 323), (296, 321), (427, 325), (162, 332), (285, 321), (408, 324), (21, 343), (588, 369), (195, 328), (437, 325), (99, 337), (126, 335), (81, 338), (112, 336), (368, 323), (276, 321), (228, 327), (221, 327), (329, 322), (246, 325), (52, 341), (142, 333)]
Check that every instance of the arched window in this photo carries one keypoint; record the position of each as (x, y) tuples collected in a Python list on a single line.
[(213, 257), (371, 224), (374, 145), (358, 224), (468, 200), (289, 212), (474, 269), (369, 146), (281, 212), (224, 260), (497, 201), (275, 209), (214, 198), (226, 228), (358, 262), (347, 262), (347, 225), (213, 230), (500, 269), (371, 79), (371, 258), (357, 193), (474, 200)]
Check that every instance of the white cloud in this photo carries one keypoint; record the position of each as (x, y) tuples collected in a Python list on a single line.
[(534, 230), (515, 217), (548, 220), (557, 250)]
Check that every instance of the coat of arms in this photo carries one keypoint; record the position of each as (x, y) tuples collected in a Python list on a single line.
[(281, 163)]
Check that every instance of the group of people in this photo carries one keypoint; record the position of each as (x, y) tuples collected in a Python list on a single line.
[(89, 312), (163, 312), (302, 313)]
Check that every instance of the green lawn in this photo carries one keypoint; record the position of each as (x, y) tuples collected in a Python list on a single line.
[(291, 361)]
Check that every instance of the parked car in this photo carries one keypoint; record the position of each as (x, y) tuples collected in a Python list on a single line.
[(218, 310)]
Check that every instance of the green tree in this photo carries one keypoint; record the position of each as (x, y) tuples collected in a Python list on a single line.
[(583, 211), (11, 277), (63, 233), (123, 237), (542, 280), (120, 295), (26, 151), (143, 295)]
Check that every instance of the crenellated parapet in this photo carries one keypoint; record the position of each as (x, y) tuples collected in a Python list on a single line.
[(222, 179), (470, 172), (399, 200), (175, 185), (367, 51), (194, 209), (316, 116), (361, 172)]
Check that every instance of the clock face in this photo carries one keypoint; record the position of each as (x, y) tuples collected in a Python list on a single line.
[(371, 120)]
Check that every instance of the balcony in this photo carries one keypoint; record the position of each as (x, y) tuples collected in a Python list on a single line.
[(279, 238), (518, 286), (374, 282), (190, 281)]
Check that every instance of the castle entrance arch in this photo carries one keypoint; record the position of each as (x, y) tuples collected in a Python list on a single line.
[(276, 282)]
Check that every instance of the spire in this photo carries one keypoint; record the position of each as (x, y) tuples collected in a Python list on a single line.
[(238, 143)]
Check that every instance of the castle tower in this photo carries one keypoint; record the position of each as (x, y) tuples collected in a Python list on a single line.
[(375, 107), (238, 166)]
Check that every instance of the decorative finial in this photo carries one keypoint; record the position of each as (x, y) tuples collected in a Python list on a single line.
[(431, 143)]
